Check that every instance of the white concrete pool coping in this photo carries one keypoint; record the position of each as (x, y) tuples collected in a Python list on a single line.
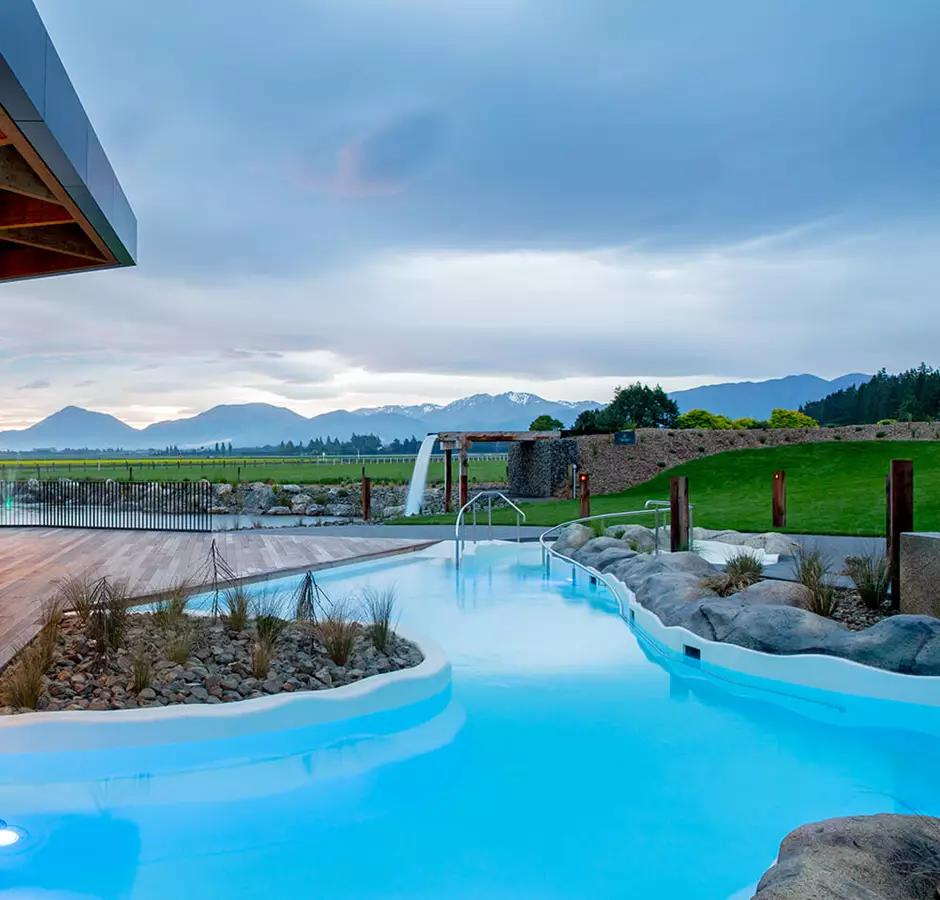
[(94, 730)]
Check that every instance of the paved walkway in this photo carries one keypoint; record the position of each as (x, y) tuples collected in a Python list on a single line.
[(32, 561)]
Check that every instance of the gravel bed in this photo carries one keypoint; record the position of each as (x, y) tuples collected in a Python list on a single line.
[(852, 613), (218, 670)]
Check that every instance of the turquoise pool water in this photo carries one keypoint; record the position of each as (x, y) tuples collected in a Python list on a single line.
[(571, 760)]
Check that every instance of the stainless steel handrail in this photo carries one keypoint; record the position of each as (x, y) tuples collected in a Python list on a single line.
[(472, 504)]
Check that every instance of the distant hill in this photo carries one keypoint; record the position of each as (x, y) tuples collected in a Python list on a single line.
[(758, 398), (258, 424)]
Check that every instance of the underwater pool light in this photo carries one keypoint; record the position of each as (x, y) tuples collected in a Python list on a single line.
[(10, 835)]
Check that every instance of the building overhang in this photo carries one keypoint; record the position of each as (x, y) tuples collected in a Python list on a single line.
[(61, 206)]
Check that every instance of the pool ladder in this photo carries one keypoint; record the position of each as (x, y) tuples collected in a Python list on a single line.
[(472, 505)]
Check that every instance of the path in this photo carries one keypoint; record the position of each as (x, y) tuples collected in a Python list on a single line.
[(32, 561)]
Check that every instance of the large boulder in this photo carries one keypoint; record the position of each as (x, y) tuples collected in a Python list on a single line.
[(668, 587), (571, 538), (588, 554), (259, 498), (882, 857), (895, 644), (606, 558), (771, 629), (773, 542), (637, 537), (775, 593)]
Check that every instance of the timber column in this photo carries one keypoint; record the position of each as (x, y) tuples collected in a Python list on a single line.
[(448, 479), (464, 480)]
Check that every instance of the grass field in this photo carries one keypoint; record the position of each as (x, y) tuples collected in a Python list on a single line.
[(279, 471), (831, 489)]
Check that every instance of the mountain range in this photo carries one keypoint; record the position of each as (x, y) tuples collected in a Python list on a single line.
[(258, 424)]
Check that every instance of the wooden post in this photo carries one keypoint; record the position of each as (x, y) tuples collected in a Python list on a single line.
[(679, 514), (464, 477), (902, 518), (366, 498), (780, 500), (448, 480), (889, 549), (584, 494)]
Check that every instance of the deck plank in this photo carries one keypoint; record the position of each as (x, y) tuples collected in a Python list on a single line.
[(33, 561)]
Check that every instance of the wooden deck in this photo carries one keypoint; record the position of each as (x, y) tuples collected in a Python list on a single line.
[(32, 561)]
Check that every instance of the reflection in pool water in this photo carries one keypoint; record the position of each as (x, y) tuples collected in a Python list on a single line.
[(572, 759)]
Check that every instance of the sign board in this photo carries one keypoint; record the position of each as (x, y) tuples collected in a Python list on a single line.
[(625, 437)]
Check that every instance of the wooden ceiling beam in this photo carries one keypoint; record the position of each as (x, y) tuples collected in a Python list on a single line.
[(17, 211), (68, 239), (25, 262), (17, 177)]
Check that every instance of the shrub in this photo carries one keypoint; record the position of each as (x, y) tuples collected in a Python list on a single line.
[(791, 418), (837, 437), (237, 606), (886, 422), (379, 608), (871, 574), (142, 670), (812, 569), (597, 526), (702, 418), (338, 632), (305, 599), (50, 620), (763, 439), (22, 684)]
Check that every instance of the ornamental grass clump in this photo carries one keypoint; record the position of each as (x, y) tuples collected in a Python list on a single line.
[(237, 608), (741, 571), (871, 574), (169, 611), (75, 594), (379, 607), (22, 683), (812, 569), (108, 618), (141, 670), (338, 631)]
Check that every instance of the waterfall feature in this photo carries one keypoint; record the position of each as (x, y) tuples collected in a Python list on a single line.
[(419, 476)]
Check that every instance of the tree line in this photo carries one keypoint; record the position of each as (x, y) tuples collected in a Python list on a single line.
[(911, 396), (642, 406)]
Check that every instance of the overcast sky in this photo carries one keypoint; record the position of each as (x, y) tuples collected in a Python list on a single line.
[(352, 202)]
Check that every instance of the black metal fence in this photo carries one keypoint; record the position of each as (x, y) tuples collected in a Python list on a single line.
[(157, 506)]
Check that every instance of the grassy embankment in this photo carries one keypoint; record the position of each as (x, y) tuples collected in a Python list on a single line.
[(832, 488)]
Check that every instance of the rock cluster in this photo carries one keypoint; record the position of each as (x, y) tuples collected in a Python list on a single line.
[(768, 616), (219, 668), (316, 500), (882, 857)]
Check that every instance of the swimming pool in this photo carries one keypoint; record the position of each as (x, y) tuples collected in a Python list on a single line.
[(570, 760)]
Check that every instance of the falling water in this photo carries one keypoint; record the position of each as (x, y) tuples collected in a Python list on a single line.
[(419, 476)]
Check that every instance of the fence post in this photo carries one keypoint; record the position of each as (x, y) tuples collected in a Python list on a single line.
[(902, 518), (584, 495), (780, 500), (366, 498), (679, 514)]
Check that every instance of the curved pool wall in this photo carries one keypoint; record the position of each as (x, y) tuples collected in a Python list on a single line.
[(113, 729), (794, 674), (572, 758)]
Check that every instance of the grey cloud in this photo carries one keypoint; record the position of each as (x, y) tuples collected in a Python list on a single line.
[(37, 385), (88, 382)]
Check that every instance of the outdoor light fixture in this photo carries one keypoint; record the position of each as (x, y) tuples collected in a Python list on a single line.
[(10, 835)]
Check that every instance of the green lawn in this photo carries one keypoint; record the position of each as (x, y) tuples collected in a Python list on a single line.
[(832, 488), (278, 471)]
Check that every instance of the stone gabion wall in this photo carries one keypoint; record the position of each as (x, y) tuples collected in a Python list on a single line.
[(615, 467), (540, 468)]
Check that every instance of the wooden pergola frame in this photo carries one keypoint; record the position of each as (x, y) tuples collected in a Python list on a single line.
[(462, 441)]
